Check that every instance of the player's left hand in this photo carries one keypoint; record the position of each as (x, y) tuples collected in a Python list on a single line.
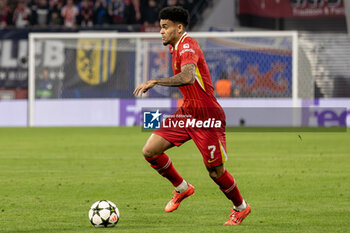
[(144, 87)]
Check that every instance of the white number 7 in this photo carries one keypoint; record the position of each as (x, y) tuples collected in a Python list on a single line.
[(212, 149)]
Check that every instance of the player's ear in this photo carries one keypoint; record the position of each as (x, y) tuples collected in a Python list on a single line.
[(180, 28)]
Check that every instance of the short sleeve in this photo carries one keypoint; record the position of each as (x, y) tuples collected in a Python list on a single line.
[(188, 53)]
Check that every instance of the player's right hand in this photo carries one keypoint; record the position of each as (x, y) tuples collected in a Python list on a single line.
[(144, 87)]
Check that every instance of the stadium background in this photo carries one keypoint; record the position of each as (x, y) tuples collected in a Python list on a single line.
[(322, 37), (295, 181)]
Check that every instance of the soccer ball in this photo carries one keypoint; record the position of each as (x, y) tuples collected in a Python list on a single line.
[(104, 214)]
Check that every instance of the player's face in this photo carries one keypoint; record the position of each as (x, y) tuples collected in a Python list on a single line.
[(169, 31)]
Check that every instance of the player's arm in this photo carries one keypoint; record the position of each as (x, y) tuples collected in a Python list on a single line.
[(185, 77)]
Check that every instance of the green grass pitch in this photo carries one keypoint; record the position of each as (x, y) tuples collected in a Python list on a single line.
[(49, 177)]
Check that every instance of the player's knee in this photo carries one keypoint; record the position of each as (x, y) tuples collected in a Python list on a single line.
[(216, 172), (213, 174), (147, 152)]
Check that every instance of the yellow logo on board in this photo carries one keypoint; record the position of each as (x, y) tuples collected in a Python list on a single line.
[(96, 60)]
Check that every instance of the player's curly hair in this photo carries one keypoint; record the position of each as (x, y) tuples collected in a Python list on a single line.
[(176, 14)]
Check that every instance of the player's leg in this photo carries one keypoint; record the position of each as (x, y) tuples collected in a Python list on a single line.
[(212, 145), (155, 145), (228, 186), (153, 152)]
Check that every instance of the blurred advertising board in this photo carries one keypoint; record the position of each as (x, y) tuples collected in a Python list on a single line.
[(67, 68), (292, 8), (272, 112)]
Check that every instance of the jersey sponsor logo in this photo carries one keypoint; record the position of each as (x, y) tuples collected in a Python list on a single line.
[(186, 46), (96, 60), (186, 50)]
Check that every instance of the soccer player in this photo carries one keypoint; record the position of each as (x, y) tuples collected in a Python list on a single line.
[(193, 79)]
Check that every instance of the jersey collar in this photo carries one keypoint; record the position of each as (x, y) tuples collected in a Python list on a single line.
[(181, 38)]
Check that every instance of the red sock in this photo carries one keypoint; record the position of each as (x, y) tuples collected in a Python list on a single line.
[(228, 186), (163, 165)]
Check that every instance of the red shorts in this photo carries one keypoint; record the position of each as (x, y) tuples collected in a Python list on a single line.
[(211, 141)]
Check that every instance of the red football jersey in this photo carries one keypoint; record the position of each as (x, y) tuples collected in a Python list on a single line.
[(201, 92), (199, 103)]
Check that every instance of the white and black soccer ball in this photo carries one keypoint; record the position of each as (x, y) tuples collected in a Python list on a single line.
[(104, 214)]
